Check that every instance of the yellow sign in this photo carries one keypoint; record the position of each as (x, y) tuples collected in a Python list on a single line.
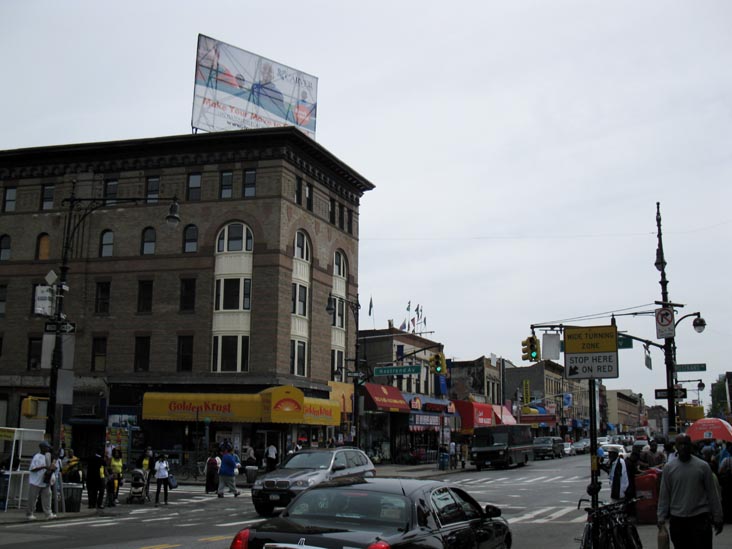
[(591, 339), (527, 392)]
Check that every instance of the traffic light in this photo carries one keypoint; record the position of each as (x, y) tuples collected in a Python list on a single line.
[(534, 349), (440, 364), (434, 361), (525, 349)]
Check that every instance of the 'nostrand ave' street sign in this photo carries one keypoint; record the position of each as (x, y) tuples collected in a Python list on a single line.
[(397, 370)]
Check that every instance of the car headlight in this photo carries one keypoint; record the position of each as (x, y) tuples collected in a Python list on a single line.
[(501, 453), (302, 483), (258, 484)]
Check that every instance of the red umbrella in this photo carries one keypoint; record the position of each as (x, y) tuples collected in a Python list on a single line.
[(710, 428)]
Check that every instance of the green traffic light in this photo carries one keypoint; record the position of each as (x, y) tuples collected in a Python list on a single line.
[(533, 354)]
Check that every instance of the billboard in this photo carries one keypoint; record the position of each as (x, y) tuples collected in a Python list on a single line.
[(235, 89)]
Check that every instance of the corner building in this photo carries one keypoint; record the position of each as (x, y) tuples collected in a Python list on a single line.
[(184, 336)]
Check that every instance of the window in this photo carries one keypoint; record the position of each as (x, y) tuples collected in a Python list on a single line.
[(226, 184), (185, 353), (43, 247), (448, 510), (9, 199), (339, 265), (349, 226), (47, 196), (247, 303), (341, 218), (106, 244), (35, 346), (230, 353), (250, 184), (332, 211), (230, 238), (4, 247), (233, 294), (302, 246), (298, 190), (336, 364), (152, 189), (99, 354), (193, 191), (110, 191), (309, 197), (297, 357), (142, 353), (299, 300), (3, 299), (188, 294), (147, 246), (102, 297), (144, 296), (190, 239), (339, 311)]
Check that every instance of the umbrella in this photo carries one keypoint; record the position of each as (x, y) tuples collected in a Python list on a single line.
[(710, 428)]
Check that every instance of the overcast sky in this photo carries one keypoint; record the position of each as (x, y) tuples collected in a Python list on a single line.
[(518, 148)]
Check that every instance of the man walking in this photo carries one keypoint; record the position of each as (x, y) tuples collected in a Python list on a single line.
[(271, 457), (689, 499), (227, 473), (41, 470)]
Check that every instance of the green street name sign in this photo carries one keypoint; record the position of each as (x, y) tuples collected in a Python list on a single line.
[(397, 370), (691, 367)]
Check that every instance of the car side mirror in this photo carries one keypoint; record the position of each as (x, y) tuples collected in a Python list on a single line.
[(338, 467), (491, 511)]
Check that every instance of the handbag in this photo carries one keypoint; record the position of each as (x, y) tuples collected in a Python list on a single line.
[(172, 481), (663, 538)]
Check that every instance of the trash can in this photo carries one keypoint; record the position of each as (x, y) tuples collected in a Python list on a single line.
[(72, 497), (444, 461), (251, 471)]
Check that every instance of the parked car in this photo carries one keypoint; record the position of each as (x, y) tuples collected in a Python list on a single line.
[(569, 449), (545, 447), (304, 469), (607, 448), (581, 446), (381, 512)]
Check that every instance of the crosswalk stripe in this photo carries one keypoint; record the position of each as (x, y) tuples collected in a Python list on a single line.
[(530, 515), (555, 515)]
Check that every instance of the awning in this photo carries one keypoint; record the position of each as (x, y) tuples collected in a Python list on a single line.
[(385, 398), (610, 427), (427, 403), (474, 414), (502, 415)]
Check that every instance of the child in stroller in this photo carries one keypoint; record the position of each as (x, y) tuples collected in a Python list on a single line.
[(137, 487)]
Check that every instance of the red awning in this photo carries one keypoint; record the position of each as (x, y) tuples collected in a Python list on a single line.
[(503, 416), (474, 414), (385, 398)]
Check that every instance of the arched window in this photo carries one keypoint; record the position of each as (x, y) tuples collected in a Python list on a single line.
[(235, 237), (106, 244), (147, 246), (302, 246), (340, 269), (190, 239), (4, 247), (43, 246)]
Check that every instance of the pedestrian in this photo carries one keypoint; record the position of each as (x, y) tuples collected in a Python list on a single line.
[(95, 480), (465, 450), (453, 455), (651, 456), (331, 442), (116, 465), (41, 471), (632, 464), (212, 471), (618, 472), (725, 481), (162, 472), (248, 456), (689, 499), (146, 463), (271, 456), (227, 473)]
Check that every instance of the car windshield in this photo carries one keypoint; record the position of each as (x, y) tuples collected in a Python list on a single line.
[(309, 460), (542, 440), (351, 505)]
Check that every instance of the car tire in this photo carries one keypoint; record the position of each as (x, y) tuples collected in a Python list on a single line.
[(263, 509)]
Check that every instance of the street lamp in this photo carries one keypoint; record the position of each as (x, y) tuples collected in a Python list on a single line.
[(669, 346), (77, 212), (355, 306)]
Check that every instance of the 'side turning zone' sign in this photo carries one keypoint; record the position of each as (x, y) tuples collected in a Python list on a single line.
[(591, 352)]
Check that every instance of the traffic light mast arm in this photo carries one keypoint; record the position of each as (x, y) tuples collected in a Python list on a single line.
[(437, 345)]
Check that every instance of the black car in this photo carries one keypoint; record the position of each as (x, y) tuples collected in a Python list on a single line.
[(388, 513), (548, 447)]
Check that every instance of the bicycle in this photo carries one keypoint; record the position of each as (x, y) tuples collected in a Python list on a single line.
[(190, 469), (614, 529)]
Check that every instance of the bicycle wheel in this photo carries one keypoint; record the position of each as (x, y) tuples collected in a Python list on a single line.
[(632, 539), (586, 541)]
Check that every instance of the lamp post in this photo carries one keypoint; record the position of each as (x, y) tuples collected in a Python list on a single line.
[(355, 306), (669, 346), (78, 209)]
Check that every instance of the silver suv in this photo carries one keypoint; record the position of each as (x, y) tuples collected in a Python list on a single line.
[(304, 469)]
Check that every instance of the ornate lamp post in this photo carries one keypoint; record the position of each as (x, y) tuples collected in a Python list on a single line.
[(355, 306), (78, 209)]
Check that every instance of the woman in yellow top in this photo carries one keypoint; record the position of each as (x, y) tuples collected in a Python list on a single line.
[(116, 465)]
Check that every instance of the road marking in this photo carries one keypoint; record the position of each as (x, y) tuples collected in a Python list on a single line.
[(531, 515), (164, 546), (158, 519), (553, 479), (224, 524), (535, 479), (556, 515), (216, 538)]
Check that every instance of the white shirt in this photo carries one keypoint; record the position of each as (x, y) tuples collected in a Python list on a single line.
[(272, 451), (36, 477), (161, 469)]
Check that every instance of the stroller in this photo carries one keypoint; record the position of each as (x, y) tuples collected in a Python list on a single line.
[(137, 487)]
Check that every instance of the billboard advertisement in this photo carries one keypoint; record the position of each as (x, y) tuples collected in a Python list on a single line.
[(235, 89)]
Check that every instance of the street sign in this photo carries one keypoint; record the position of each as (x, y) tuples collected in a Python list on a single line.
[(591, 352), (354, 374), (397, 370), (662, 394), (63, 327), (702, 367), (665, 326)]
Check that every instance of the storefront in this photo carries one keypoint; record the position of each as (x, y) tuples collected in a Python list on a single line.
[(385, 415), (278, 415), (431, 422), (474, 414), (541, 422)]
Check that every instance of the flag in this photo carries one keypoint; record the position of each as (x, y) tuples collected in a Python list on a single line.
[(371, 305), (425, 321), (404, 325), (409, 305), (412, 322), (419, 313)]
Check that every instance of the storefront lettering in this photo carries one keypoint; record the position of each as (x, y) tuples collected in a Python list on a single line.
[(316, 410), (207, 406)]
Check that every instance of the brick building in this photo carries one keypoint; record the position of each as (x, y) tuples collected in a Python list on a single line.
[(217, 326)]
